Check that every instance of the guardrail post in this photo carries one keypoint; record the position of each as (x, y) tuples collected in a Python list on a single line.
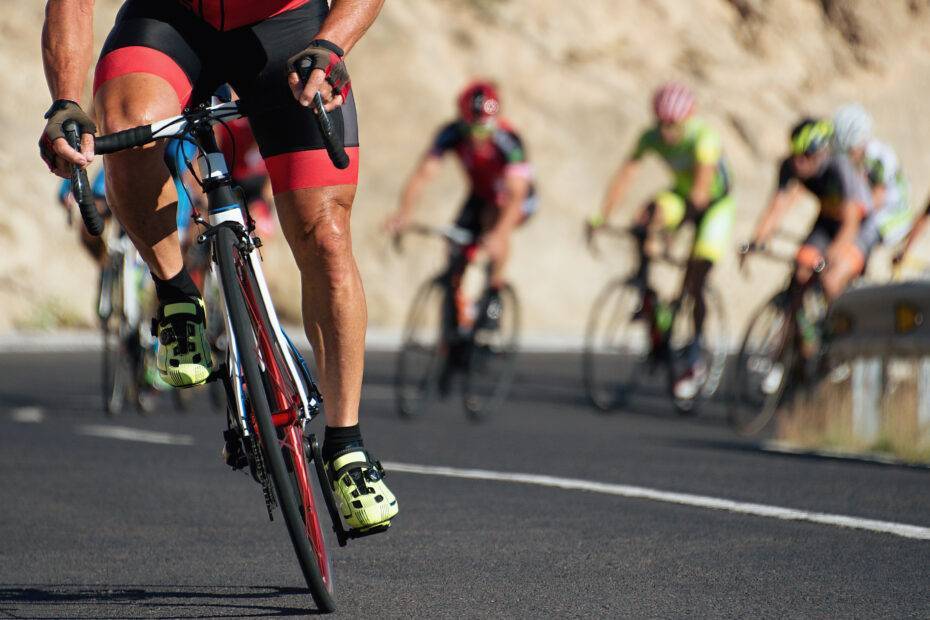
[(866, 398), (923, 396)]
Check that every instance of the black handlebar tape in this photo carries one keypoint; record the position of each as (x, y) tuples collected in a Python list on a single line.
[(332, 140), (80, 187), (121, 140)]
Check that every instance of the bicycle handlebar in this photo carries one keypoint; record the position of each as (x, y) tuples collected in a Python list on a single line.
[(121, 140), (80, 186), (332, 141), (453, 234)]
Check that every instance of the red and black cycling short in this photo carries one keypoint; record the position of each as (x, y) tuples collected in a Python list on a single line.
[(162, 38)]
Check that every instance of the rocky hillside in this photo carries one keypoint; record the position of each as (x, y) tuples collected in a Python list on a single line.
[(576, 81)]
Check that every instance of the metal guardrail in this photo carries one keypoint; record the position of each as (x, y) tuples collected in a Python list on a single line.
[(872, 325)]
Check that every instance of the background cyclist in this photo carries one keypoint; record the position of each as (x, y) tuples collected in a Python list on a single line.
[(891, 219), (844, 200), (701, 194), (502, 195)]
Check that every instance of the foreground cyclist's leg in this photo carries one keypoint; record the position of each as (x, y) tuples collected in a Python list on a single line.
[(315, 222), (143, 198)]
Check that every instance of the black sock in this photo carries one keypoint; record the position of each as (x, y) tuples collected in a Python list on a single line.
[(179, 288), (339, 438)]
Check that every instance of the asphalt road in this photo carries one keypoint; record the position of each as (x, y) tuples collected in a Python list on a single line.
[(95, 526)]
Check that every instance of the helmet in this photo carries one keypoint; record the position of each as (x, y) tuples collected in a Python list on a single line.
[(479, 101), (673, 102), (852, 127), (810, 135)]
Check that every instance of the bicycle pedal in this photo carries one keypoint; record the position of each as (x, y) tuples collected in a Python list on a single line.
[(371, 531)]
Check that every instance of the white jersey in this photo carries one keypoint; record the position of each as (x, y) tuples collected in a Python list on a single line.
[(884, 170)]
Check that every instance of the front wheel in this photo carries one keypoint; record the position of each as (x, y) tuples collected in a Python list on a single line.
[(704, 358), (422, 356), (282, 448), (616, 345), (492, 353), (764, 367)]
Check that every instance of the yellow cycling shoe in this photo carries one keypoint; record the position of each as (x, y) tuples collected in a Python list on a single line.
[(358, 484), (183, 358)]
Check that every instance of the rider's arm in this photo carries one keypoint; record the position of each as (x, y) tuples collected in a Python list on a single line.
[(67, 46), (849, 225), (67, 52), (916, 231), (346, 23), (517, 190), (618, 187), (348, 20), (425, 171), (782, 201)]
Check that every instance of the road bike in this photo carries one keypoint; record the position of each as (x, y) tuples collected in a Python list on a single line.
[(783, 346), (128, 366), (632, 332), (270, 393), (457, 327)]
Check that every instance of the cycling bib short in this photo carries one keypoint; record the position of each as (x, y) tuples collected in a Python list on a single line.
[(163, 38)]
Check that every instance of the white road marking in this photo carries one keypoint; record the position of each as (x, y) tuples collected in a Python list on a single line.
[(27, 415), (134, 434), (686, 499)]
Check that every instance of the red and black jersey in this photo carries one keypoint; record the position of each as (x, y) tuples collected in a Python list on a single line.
[(486, 162), (230, 14)]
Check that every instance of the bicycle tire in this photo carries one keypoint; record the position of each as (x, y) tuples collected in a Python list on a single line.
[(713, 350), (608, 350), (749, 364), (225, 249), (492, 356), (416, 371), (114, 367)]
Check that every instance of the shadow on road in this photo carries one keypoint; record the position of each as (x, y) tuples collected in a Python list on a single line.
[(84, 601)]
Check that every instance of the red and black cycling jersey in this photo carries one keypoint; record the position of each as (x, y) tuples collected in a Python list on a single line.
[(486, 161), (230, 14)]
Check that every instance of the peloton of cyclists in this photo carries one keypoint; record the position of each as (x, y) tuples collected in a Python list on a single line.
[(700, 194)]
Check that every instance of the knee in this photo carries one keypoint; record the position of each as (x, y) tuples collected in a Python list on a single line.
[(325, 248), (119, 107)]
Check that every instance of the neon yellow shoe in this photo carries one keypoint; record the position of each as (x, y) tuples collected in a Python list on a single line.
[(358, 484), (183, 357)]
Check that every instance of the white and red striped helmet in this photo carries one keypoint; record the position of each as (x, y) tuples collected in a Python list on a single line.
[(673, 102)]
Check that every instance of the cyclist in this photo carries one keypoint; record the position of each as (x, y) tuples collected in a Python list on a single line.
[(502, 194), (917, 229), (700, 194), (162, 56), (837, 235), (879, 163)]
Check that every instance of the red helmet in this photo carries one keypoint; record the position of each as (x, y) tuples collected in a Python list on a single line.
[(478, 101), (673, 102)]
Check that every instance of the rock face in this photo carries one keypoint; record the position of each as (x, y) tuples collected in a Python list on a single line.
[(576, 81)]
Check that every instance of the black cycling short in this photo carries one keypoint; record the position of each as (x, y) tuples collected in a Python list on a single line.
[(162, 38), (478, 214)]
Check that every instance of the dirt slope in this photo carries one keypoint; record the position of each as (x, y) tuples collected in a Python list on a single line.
[(576, 81)]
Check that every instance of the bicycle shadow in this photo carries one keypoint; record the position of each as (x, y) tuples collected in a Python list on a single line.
[(149, 601)]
